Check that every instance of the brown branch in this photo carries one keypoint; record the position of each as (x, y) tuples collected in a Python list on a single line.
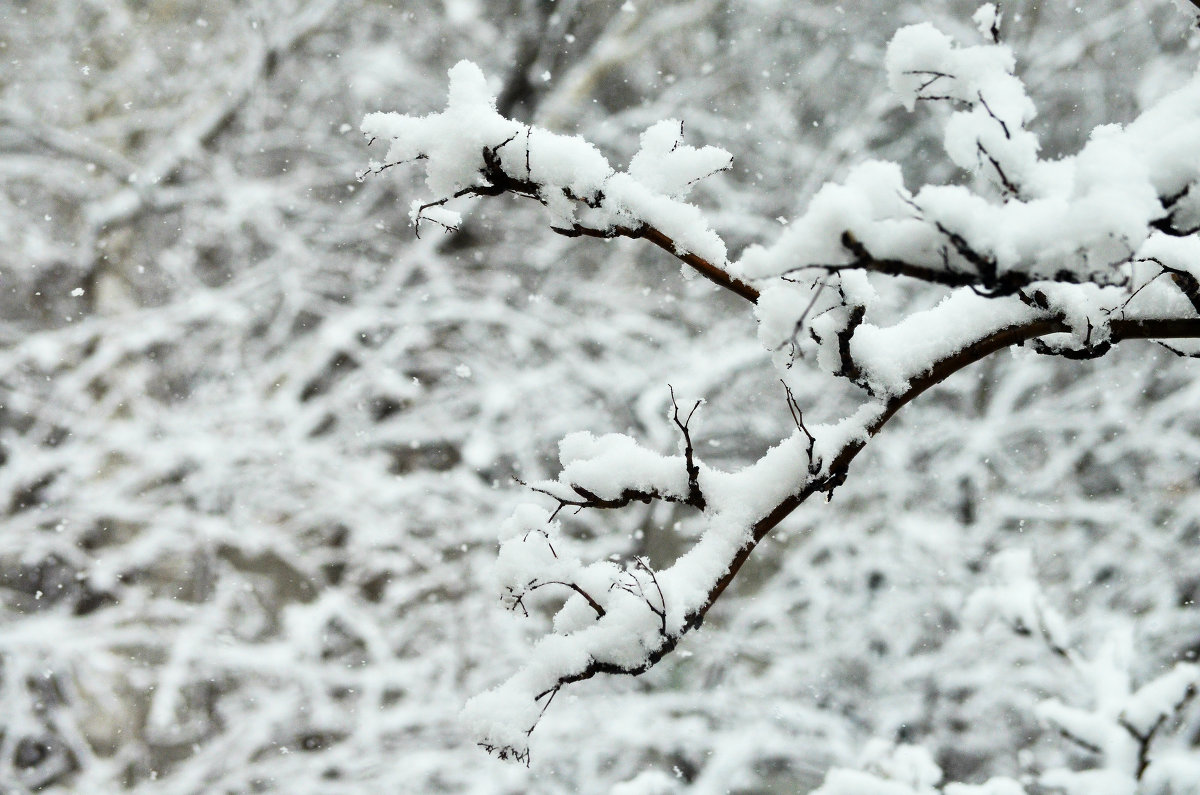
[(864, 260), (835, 472), (589, 499), (994, 30), (985, 281), (941, 370), (985, 265), (708, 270), (1166, 224), (1143, 741), (497, 181), (1180, 353)]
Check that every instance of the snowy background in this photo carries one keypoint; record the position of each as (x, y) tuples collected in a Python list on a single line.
[(257, 440)]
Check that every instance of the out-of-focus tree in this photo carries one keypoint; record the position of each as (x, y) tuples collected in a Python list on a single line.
[(256, 438)]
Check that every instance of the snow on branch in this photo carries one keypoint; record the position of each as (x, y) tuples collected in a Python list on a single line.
[(614, 470), (1075, 254), (471, 150), (1081, 236)]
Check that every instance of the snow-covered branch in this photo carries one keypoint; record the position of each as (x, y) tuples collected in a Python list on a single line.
[(1074, 254), (470, 150)]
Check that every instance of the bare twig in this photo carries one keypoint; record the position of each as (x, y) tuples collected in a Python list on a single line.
[(589, 499), (695, 497), (933, 76), (661, 612), (814, 466), (998, 120), (1008, 184), (592, 603)]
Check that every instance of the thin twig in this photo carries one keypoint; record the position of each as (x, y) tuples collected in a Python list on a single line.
[(695, 497)]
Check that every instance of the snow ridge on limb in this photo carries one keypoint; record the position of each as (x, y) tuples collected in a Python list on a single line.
[(1084, 252), (470, 150)]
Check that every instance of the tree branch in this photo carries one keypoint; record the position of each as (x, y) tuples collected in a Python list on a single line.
[(986, 280), (708, 270), (592, 603), (831, 475), (589, 499), (943, 343)]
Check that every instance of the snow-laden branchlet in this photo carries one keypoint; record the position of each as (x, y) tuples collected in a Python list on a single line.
[(470, 149)]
